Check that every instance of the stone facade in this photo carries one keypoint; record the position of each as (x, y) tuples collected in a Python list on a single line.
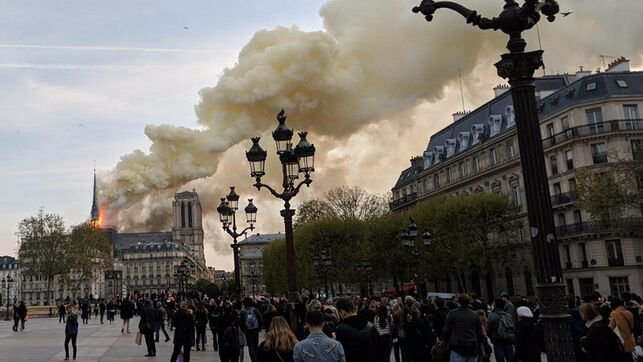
[(251, 262)]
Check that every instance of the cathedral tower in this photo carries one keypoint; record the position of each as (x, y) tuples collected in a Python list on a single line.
[(187, 224)]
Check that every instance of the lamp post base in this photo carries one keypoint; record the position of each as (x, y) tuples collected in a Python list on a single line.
[(555, 321)]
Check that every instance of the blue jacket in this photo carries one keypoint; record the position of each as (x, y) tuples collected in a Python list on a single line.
[(318, 348)]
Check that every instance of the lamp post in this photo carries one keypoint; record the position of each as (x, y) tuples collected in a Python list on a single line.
[(253, 277), (183, 274), (409, 236), (518, 67), (364, 268), (300, 159), (323, 263), (6, 285), (227, 215)]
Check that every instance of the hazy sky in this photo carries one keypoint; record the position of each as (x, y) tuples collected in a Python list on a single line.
[(80, 81)]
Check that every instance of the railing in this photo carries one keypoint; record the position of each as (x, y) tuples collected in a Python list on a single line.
[(598, 226), (615, 261), (406, 199), (563, 198), (594, 129), (599, 157)]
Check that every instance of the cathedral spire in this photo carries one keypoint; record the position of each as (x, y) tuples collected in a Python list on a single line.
[(94, 215)]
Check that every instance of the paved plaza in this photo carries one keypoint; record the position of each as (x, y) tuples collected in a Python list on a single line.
[(43, 339)]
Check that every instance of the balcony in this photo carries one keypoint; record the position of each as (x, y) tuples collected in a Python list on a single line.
[(615, 261), (599, 157), (563, 198), (617, 125), (403, 201), (588, 227)]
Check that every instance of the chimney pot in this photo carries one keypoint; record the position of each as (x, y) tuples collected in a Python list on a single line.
[(619, 65)]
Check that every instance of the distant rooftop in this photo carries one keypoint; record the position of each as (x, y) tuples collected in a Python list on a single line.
[(262, 238)]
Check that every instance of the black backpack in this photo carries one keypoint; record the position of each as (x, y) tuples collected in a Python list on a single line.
[(230, 338)]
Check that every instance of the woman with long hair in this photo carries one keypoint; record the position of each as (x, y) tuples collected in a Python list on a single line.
[(279, 342)]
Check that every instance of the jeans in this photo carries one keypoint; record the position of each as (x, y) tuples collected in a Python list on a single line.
[(73, 344), (252, 340), (504, 352), (61, 318), (200, 336), (160, 326), (456, 357)]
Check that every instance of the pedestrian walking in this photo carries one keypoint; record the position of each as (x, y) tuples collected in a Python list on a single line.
[(146, 327), (101, 309), (16, 318), (228, 328), (601, 343), (501, 329), (318, 347), (201, 323), (358, 336), (127, 312), (183, 324), (161, 314), (213, 315), (22, 315), (463, 332), (111, 310), (61, 312), (529, 337), (85, 311), (71, 330), (279, 342), (383, 322), (622, 323), (251, 322)]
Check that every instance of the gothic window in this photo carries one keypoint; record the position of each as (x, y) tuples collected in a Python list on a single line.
[(189, 214), (182, 215)]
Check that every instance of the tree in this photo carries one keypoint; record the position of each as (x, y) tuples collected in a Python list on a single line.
[(90, 254), (43, 248), (345, 203), (469, 232), (606, 193)]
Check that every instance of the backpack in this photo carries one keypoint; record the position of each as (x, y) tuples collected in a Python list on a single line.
[(230, 340), (251, 320), (506, 327)]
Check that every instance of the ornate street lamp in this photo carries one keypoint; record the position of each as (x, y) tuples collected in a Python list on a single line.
[(409, 236), (301, 159), (364, 268), (227, 215), (6, 284), (253, 277), (518, 67)]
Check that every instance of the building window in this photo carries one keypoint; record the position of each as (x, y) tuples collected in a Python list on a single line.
[(436, 182), (492, 156), (618, 285), (599, 153), (577, 217), (570, 287), (614, 252), (475, 163), (569, 157), (631, 113), (591, 87), (586, 286), (621, 83), (451, 173), (572, 184), (461, 170), (515, 193), (637, 150), (554, 165), (550, 130), (564, 121), (511, 151), (495, 187), (557, 190), (594, 120)]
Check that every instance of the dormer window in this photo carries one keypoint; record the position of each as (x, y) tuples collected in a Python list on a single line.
[(591, 86), (439, 153), (510, 116), (463, 140), (428, 159), (450, 145), (495, 121), (477, 131), (621, 83)]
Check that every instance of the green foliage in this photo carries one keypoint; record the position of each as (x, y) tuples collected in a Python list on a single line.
[(274, 267), (90, 253), (201, 284), (607, 194), (43, 247)]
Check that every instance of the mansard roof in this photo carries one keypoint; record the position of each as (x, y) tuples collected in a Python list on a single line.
[(125, 240), (261, 238), (152, 247)]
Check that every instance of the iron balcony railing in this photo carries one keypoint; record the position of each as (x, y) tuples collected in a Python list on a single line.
[(563, 198), (599, 226), (404, 200), (616, 125)]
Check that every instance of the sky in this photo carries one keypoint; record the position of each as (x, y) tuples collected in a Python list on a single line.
[(89, 82)]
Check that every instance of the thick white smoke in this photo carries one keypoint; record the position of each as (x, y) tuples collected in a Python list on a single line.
[(374, 61)]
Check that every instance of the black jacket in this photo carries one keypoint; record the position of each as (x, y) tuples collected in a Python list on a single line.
[(359, 338), (127, 309), (601, 343), (184, 327), (148, 319), (463, 331), (529, 341)]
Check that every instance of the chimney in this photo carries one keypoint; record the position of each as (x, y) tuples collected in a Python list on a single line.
[(417, 162), (500, 89), (582, 73), (458, 115), (618, 65)]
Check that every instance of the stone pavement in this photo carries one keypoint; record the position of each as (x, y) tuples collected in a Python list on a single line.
[(43, 340)]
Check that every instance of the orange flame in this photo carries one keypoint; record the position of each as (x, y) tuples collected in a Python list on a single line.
[(101, 218)]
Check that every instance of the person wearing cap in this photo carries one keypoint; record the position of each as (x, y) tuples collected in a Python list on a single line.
[(529, 337)]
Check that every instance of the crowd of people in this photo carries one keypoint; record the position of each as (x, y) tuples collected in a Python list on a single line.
[(464, 328)]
